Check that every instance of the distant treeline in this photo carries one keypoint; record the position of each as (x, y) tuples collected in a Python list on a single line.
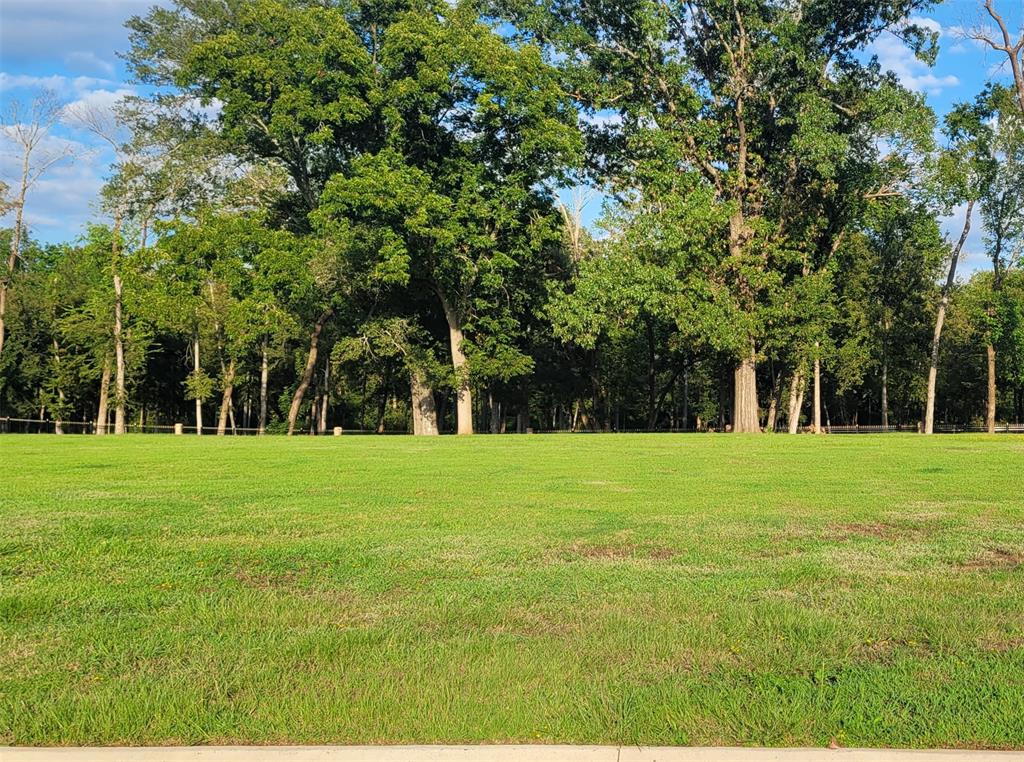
[(512, 215)]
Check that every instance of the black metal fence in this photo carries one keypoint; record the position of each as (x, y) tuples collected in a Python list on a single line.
[(36, 426)]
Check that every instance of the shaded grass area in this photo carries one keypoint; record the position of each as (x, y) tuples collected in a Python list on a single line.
[(635, 589)]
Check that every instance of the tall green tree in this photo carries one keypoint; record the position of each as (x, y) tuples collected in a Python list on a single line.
[(759, 105)]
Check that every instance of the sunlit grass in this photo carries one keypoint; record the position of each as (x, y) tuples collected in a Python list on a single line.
[(652, 589)]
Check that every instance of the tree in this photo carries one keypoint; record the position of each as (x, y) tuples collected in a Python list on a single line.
[(29, 130), (963, 173), (475, 127), (1002, 212), (291, 79), (1001, 40), (758, 104), (885, 287), (121, 197)]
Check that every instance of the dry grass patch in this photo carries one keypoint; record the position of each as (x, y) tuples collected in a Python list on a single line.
[(615, 552), (994, 559)]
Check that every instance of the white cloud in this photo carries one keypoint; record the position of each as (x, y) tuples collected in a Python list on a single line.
[(86, 60), (58, 83), (915, 75), (927, 23), (37, 30), (100, 100)]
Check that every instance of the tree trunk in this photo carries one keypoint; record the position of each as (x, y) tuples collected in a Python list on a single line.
[(721, 398), (990, 349), (424, 413), (58, 424), (773, 406), (325, 399), (495, 409), (990, 408), (463, 399), (382, 408), (940, 317), (225, 401), (652, 378), (264, 376), (686, 398), (307, 373), (796, 400), (196, 367), (816, 427), (101, 413), (885, 392), (745, 413), (119, 383)]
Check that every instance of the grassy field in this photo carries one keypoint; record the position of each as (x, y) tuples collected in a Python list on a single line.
[(593, 589)]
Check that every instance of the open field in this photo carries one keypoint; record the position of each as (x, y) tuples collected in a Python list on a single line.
[(652, 589)]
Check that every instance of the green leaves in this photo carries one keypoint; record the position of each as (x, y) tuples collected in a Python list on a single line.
[(199, 386)]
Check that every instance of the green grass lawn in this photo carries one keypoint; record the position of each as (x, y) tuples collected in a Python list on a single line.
[(648, 589)]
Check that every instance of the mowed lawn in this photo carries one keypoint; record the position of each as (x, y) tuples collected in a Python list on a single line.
[(636, 589)]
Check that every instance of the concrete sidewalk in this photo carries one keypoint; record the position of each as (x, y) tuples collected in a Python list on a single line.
[(537, 753)]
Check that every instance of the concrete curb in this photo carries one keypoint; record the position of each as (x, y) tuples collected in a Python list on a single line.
[(533, 753)]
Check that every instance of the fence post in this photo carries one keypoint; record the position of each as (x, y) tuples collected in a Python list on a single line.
[(178, 429)]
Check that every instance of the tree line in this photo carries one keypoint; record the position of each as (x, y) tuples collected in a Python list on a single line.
[(372, 215)]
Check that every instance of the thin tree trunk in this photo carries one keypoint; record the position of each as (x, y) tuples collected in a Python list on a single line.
[(885, 391), (101, 413), (745, 412), (119, 383), (225, 401), (463, 399), (424, 412), (264, 376), (990, 408), (817, 395), (686, 398), (652, 378), (307, 373), (495, 410), (382, 403), (940, 317), (990, 349), (196, 368), (773, 406), (324, 400), (796, 400), (721, 399), (58, 424), (382, 406)]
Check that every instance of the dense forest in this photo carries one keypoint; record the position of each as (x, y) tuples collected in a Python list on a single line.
[(525, 215)]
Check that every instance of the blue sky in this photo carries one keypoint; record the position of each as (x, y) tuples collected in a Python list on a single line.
[(70, 47)]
